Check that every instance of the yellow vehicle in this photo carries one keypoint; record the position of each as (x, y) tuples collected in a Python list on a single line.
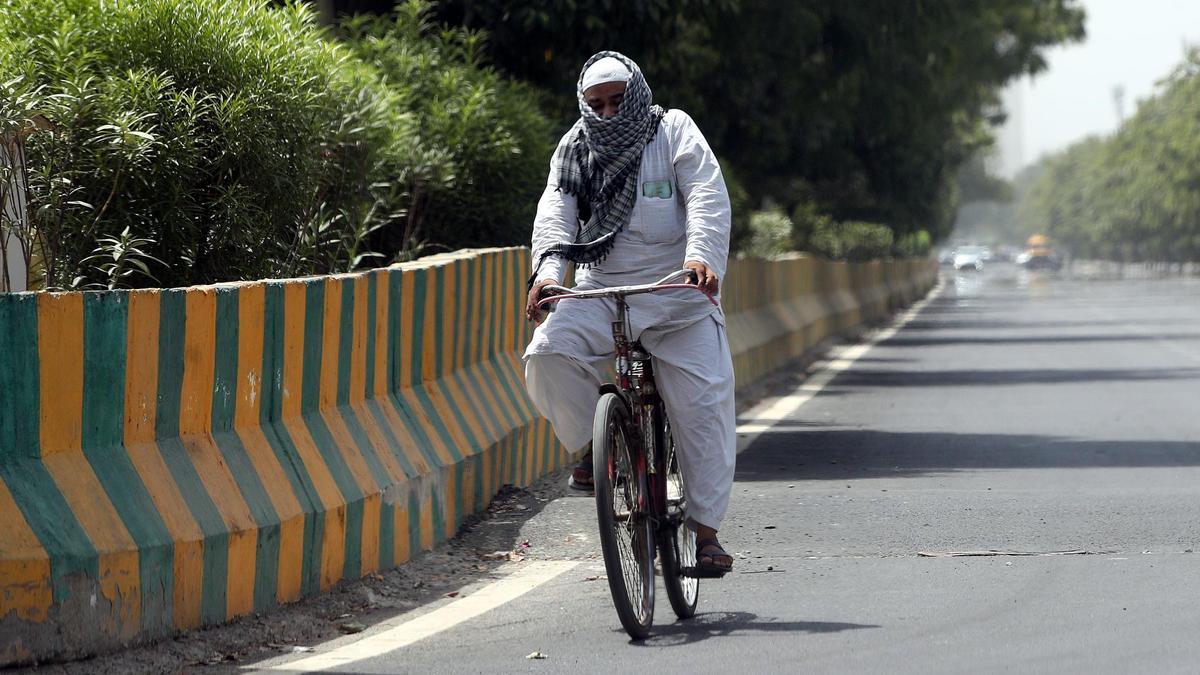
[(1039, 254)]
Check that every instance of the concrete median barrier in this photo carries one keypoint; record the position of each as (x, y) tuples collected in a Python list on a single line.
[(172, 459)]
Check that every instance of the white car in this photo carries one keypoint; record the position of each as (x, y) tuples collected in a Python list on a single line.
[(969, 258)]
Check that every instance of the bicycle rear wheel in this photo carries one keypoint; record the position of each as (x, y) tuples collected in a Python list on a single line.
[(677, 541), (626, 534)]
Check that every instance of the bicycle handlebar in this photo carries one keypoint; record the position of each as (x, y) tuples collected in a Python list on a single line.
[(553, 293)]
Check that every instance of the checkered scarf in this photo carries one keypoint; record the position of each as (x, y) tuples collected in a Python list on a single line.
[(599, 165)]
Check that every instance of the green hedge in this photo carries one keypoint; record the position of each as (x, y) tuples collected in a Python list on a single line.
[(197, 141)]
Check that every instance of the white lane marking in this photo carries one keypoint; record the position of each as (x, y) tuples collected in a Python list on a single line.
[(765, 414), (528, 576)]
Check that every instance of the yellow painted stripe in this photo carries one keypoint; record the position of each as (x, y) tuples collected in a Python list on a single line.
[(494, 396), (409, 398), (60, 355), (481, 429), (195, 427), (383, 449), (251, 310), (408, 442), (25, 584), (117, 552), (346, 447), (333, 539), (141, 403)]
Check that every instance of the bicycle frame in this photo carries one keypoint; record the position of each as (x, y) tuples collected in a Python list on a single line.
[(635, 381)]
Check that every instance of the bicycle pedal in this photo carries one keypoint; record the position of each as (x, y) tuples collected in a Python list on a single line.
[(696, 573)]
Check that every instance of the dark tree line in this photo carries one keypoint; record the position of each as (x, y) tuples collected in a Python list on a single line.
[(865, 109)]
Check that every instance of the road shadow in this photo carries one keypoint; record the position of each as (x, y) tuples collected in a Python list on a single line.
[(996, 324), (958, 378), (726, 624), (848, 453), (912, 341)]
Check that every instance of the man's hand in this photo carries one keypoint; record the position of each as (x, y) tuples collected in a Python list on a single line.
[(532, 312), (707, 279)]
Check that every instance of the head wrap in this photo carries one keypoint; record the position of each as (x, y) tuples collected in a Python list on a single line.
[(607, 69), (599, 161)]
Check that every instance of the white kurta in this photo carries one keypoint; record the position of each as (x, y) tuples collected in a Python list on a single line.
[(682, 213)]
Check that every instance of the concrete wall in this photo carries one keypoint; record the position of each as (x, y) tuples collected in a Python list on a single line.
[(173, 459)]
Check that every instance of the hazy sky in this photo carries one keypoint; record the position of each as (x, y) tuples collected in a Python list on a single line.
[(1132, 43)]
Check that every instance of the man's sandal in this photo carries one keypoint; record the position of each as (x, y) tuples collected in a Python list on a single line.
[(706, 563), (581, 476)]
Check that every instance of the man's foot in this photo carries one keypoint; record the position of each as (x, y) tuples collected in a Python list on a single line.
[(581, 475), (711, 559)]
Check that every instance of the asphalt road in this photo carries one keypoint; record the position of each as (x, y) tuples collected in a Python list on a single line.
[(1015, 413)]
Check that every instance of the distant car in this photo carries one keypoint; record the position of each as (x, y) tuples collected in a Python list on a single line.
[(969, 258)]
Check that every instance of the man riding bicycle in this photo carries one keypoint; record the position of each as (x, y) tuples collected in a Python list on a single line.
[(635, 193)]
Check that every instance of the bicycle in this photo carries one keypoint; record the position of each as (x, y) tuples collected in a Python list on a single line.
[(639, 491)]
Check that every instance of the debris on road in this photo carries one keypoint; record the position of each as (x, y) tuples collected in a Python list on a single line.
[(535, 655), (351, 627)]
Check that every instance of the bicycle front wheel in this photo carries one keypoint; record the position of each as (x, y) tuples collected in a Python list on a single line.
[(626, 533), (677, 541)]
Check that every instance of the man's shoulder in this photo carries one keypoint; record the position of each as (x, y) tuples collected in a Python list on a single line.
[(677, 118)]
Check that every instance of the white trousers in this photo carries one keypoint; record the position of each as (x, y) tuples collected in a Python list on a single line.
[(694, 372)]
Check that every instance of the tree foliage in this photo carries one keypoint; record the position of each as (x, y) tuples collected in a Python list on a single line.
[(1134, 195), (866, 109), (196, 141)]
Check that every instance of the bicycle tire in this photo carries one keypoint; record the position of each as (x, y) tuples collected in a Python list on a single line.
[(677, 541), (626, 534)]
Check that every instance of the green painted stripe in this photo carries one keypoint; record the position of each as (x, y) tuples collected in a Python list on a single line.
[(172, 307), (439, 511), (497, 304), (487, 310), (271, 418), (387, 535), (459, 478), (469, 314), (105, 320), (345, 343), (440, 347), (417, 356), (51, 519), (416, 353), (225, 362), (424, 442), (515, 391), (20, 389), (460, 415), (439, 425), (224, 400), (414, 522), (393, 442), (395, 333), (485, 372), (216, 537), (314, 335), (310, 397), (372, 319), (479, 406), (171, 338)]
